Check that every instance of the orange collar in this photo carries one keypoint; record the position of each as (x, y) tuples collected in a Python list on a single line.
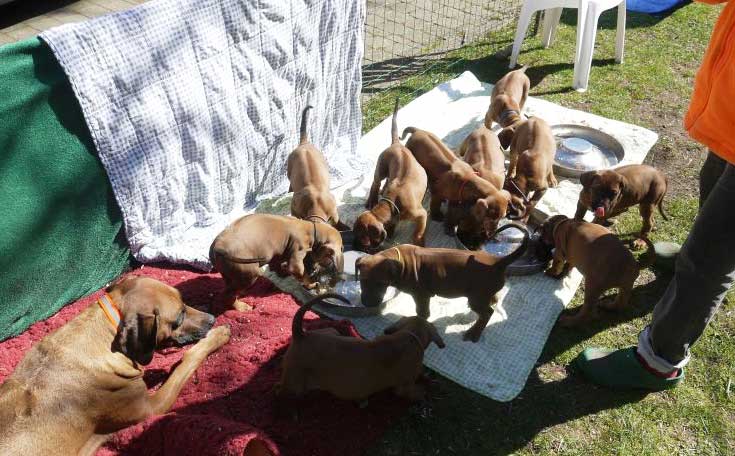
[(112, 312)]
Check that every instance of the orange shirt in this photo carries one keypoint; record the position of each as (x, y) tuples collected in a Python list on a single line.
[(711, 116)]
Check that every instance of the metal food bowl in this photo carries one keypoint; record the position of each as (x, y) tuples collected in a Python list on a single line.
[(504, 243), (580, 149), (349, 287)]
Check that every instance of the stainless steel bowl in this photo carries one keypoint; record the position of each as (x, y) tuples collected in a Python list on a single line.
[(506, 242), (580, 149), (349, 287)]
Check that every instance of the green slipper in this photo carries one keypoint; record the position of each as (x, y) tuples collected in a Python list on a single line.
[(620, 369)]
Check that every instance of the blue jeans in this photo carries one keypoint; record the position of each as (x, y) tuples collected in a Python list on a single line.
[(705, 271)]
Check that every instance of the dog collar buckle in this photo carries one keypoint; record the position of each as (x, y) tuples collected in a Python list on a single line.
[(110, 309)]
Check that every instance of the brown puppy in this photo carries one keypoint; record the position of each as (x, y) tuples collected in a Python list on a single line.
[(506, 103), (309, 177), (532, 154), (85, 380), (426, 272), (453, 180), (353, 369), (611, 192), (599, 255), (481, 150), (400, 199), (283, 242)]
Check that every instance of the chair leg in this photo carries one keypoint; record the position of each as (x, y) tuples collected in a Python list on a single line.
[(582, 74), (620, 33), (523, 22), (581, 18), (550, 26)]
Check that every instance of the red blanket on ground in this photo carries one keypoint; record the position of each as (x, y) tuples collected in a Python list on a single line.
[(229, 401)]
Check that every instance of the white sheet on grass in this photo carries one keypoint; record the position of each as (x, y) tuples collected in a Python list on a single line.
[(499, 364), (194, 105)]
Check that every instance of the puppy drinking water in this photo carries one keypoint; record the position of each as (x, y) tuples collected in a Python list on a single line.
[(599, 255), (426, 272), (283, 242), (400, 199), (532, 152), (352, 368), (309, 177), (84, 381), (611, 192), (455, 181)]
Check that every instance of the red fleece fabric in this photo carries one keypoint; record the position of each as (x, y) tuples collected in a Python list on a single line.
[(229, 400)]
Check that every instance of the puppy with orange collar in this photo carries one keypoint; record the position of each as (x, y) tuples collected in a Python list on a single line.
[(611, 192), (400, 199), (308, 175), (354, 369), (532, 152)]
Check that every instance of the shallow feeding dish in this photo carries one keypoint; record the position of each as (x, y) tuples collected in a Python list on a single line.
[(349, 287), (580, 149), (506, 242)]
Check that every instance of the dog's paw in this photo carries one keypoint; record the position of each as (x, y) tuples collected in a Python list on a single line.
[(471, 336), (241, 306), (638, 244), (218, 336), (554, 275)]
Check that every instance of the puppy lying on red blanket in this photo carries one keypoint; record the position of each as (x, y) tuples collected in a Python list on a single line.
[(85, 380), (352, 368)]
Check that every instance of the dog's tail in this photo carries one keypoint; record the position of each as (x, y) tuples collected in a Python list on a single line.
[(661, 209), (297, 330), (407, 131), (303, 138), (517, 253), (394, 125), (523, 69), (223, 253), (650, 255)]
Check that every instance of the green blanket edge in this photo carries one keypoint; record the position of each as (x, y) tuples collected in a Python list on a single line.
[(61, 233)]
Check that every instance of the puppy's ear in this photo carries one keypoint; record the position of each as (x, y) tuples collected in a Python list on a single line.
[(136, 337), (395, 326), (506, 137), (586, 179), (435, 337)]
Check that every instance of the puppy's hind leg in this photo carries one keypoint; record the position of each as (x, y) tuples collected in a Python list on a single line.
[(624, 293), (592, 292), (646, 211), (483, 309)]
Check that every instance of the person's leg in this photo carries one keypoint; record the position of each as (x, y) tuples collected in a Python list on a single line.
[(710, 173), (705, 270)]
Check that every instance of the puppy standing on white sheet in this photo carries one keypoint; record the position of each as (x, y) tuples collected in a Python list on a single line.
[(309, 177)]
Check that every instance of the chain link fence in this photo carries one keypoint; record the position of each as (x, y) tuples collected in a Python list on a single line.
[(405, 39)]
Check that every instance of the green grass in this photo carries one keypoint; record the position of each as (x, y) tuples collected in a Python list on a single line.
[(558, 412)]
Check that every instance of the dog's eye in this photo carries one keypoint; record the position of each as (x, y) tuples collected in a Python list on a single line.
[(179, 319)]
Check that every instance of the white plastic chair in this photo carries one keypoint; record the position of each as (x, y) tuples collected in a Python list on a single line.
[(588, 14)]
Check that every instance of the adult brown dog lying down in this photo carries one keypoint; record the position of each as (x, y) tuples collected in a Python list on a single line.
[(531, 169), (506, 103), (426, 272), (85, 380), (455, 181), (282, 242), (611, 192), (599, 255), (308, 175), (400, 199), (352, 368)]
